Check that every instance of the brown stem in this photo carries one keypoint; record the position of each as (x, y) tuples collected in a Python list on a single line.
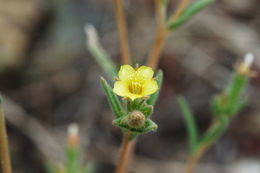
[(123, 36), (161, 31), (160, 35), (193, 160), (125, 155), (4, 148), (183, 4)]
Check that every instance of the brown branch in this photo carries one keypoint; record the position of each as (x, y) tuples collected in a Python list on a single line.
[(125, 155), (4, 147), (45, 140), (182, 6), (160, 35), (161, 31), (123, 35), (193, 160)]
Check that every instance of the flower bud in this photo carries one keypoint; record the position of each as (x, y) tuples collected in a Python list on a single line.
[(244, 67), (136, 119), (73, 135)]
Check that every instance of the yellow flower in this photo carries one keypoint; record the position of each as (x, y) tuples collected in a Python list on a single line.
[(135, 83)]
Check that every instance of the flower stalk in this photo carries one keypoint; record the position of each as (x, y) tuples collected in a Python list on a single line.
[(125, 154), (123, 35), (4, 146), (164, 25), (193, 160), (181, 7), (160, 35)]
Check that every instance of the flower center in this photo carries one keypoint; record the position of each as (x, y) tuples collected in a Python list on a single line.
[(135, 87)]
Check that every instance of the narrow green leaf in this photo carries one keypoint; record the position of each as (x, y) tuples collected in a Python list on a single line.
[(189, 13), (112, 99), (98, 52), (190, 124), (153, 98)]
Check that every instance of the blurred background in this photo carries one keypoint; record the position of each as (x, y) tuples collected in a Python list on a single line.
[(49, 80)]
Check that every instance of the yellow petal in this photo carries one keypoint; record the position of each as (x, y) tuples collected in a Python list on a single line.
[(125, 72), (145, 73), (150, 87), (120, 88), (133, 96)]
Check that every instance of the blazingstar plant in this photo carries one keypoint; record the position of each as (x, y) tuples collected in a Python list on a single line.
[(72, 156), (137, 87), (139, 92)]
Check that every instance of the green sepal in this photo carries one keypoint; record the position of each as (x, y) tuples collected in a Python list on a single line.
[(1, 99), (135, 104), (112, 99), (147, 110), (148, 126), (159, 79), (188, 13)]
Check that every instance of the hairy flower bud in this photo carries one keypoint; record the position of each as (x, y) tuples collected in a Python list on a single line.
[(244, 67), (73, 135), (136, 119)]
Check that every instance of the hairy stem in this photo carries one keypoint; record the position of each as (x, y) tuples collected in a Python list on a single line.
[(123, 35), (4, 148), (125, 156), (160, 35)]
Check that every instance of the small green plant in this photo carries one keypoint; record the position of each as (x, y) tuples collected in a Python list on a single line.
[(224, 107), (72, 153)]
